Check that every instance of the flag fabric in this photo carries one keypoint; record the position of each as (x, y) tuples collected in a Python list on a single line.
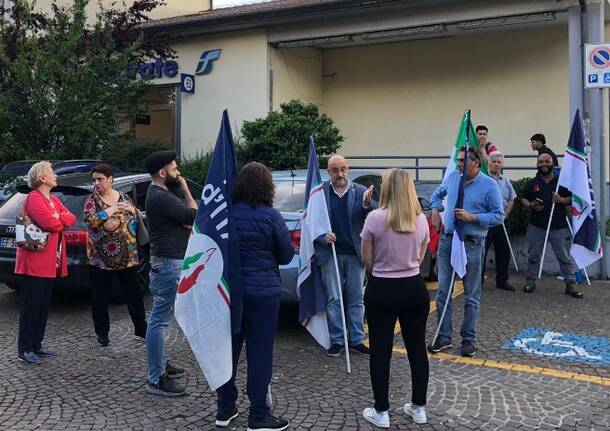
[(458, 250), (576, 177), (209, 291), (315, 222), (466, 132)]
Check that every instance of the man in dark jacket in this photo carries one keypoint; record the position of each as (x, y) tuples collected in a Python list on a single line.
[(348, 205), (169, 218), (538, 143)]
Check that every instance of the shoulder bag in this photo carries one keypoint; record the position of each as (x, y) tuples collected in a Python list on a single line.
[(29, 235)]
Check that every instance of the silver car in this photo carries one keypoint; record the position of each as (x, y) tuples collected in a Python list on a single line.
[(289, 199)]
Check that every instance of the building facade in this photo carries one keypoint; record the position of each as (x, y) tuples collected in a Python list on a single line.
[(395, 75)]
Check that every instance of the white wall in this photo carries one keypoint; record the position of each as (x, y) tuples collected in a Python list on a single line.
[(408, 98), (238, 82)]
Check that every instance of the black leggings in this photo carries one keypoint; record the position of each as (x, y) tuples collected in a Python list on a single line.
[(101, 284), (385, 300)]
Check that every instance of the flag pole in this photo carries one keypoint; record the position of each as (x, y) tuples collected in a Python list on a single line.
[(546, 236), (349, 367), (449, 297), (510, 247), (585, 268)]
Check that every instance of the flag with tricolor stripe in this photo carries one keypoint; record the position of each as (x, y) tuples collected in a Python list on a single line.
[(458, 250), (466, 133), (209, 290), (314, 222), (576, 177)]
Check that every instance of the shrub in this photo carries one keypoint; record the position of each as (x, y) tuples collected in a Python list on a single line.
[(131, 155), (196, 167), (281, 139), (519, 215)]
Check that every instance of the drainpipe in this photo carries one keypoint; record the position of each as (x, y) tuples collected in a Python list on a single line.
[(594, 119)]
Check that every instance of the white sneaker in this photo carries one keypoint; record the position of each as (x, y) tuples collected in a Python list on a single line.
[(380, 419), (418, 414)]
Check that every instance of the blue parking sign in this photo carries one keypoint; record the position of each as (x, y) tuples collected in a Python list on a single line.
[(592, 78), (187, 83), (607, 78)]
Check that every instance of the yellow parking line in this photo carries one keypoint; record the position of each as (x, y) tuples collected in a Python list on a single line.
[(508, 366)]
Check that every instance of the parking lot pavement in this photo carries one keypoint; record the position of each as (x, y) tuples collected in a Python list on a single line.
[(90, 387)]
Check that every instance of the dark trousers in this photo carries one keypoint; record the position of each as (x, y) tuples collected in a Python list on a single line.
[(405, 299), (258, 327), (101, 285), (35, 296), (496, 236)]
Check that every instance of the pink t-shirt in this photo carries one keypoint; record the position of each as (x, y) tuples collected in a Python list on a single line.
[(395, 254)]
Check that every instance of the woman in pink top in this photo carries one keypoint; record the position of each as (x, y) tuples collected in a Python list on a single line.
[(394, 241)]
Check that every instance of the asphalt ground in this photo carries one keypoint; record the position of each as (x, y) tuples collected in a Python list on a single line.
[(87, 387)]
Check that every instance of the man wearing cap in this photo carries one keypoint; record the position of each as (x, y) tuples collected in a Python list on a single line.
[(169, 218)]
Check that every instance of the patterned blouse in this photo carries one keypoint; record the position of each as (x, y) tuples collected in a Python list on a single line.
[(111, 242)]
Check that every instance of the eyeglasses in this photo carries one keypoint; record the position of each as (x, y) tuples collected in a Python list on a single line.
[(342, 170)]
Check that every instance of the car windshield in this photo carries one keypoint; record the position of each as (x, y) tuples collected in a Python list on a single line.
[(289, 196)]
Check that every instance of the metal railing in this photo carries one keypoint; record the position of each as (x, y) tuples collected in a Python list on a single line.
[(422, 163)]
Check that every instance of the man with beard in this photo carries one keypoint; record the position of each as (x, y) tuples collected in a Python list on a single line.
[(538, 197), (169, 218), (348, 205)]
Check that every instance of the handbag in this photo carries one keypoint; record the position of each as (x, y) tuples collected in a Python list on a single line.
[(142, 237), (29, 235)]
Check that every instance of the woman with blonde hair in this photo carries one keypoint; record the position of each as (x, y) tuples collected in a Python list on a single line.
[(394, 241), (39, 268)]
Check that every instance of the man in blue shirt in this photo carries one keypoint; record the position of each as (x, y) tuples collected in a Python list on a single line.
[(482, 209)]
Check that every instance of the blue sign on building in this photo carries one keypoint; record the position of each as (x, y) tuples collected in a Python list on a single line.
[(187, 83), (592, 78), (561, 345)]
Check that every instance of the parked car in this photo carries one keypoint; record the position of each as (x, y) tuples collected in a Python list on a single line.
[(14, 174), (289, 198), (73, 191)]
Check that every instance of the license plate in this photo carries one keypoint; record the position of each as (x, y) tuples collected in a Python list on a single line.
[(7, 243)]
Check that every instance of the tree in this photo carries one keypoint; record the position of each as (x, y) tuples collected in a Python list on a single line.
[(281, 139), (63, 82)]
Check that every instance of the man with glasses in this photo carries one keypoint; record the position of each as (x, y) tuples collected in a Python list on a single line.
[(482, 209), (348, 205)]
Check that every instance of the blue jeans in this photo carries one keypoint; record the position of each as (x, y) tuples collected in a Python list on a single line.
[(164, 277), (351, 273), (472, 287)]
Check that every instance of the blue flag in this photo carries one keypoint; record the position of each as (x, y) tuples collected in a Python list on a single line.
[(314, 222), (209, 300)]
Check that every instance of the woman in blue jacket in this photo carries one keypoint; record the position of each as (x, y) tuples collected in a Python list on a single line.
[(264, 243)]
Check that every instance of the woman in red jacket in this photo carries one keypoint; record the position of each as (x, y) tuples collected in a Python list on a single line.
[(40, 268)]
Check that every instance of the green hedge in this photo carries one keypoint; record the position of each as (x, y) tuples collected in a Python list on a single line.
[(519, 215)]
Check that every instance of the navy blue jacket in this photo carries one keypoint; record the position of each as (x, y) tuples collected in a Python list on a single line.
[(357, 214), (264, 243)]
